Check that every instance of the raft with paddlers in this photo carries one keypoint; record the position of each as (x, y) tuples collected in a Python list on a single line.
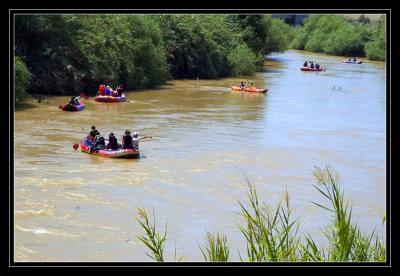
[(106, 94), (110, 99), (87, 147), (73, 105), (352, 61), (248, 89), (312, 69), (70, 107)]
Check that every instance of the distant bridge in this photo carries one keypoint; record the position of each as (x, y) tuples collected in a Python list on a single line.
[(292, 19)]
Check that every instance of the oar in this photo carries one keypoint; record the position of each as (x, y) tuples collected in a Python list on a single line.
[(144, 137), (76, 146)]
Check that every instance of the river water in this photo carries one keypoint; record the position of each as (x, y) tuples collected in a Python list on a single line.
[(207, 140)]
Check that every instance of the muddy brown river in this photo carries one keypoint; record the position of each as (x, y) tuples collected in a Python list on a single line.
[(71, 206)]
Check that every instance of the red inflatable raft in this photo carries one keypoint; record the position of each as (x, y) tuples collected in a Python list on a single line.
[(120, 153), (247, 89), (110, 99), (70, 107), (312, 69)]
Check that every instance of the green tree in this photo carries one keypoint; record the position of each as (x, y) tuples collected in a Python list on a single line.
[(21, 79), (335, 35), (376, 48), (242, 61)]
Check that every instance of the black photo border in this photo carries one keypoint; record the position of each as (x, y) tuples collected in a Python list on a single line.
[(389, 7)]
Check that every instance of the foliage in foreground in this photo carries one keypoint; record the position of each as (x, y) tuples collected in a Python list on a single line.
[(271, 234), (216, 248), (152, 239)]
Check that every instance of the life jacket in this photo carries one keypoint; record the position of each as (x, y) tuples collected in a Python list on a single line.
[(99, 141), (94, 133), (113, 144), (127, 142), (102, 89), (69, 107), (135, 142)]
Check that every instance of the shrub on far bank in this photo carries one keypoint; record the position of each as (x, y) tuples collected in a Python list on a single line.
[(347, 40), (335, 35), (376, 48), (242, 60), (299, 38), (22, 77)]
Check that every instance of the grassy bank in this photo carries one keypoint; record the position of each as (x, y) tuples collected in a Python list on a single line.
[(271, 233)]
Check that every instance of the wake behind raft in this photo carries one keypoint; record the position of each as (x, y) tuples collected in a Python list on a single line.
[(87, 146)]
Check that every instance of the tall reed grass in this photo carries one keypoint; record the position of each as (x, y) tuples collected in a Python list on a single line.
[(216, 248), (152, 239), (272, 234)]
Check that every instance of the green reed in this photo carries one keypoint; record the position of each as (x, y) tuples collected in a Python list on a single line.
[(272, 235), (152, 239), (346, 242), (216, 248)]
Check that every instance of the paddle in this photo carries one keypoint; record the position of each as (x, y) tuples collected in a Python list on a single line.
[(76, 146)]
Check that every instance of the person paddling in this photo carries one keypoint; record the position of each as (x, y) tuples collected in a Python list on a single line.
[(135, 140), (99, 143), (120, 89), (94, 132), (127, 140), (112, 142), (101, 90), (74, 101)]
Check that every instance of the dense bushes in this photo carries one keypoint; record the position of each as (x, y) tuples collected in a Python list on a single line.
[(211, 46), (193, 46), (68, 54), (22, 76), (335, 35), (376, 48), (242, 60)]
